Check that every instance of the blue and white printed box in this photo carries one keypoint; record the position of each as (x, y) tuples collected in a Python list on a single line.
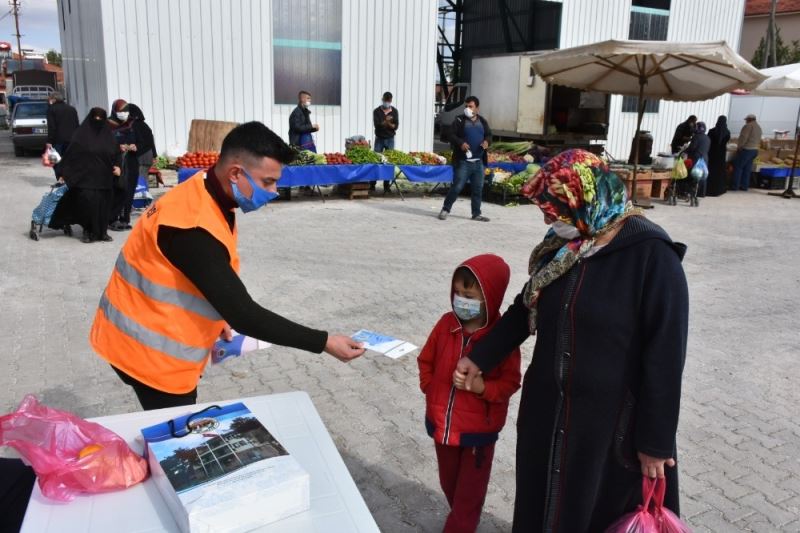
[(221, 470)]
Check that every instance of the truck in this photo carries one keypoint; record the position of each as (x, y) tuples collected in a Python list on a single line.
[(27, 85), (518, 104)]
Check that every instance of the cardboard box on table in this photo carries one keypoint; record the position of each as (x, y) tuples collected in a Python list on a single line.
[(221, 470)]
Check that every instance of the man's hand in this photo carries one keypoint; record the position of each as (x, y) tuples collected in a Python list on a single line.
[(343, 348), (226, 334), (132, 148), (315, 126), (117, 171), (485, 145), (465, 147), (653, 467), (61, 179), (123, 147), (459, 380), (469, 370)]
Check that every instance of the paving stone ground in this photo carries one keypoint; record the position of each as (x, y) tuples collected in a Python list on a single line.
[(385, 264)]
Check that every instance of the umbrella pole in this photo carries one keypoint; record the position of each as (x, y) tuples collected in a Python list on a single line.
[(637, 141), (789, 192)]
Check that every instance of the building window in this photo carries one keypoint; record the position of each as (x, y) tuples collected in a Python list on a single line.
[(649, 22), (307, 50)]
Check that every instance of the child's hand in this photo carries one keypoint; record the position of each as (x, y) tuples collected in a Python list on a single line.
[(459, 381)]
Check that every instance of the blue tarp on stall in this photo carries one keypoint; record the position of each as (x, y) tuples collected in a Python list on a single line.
[(311, 175), (428, 173)]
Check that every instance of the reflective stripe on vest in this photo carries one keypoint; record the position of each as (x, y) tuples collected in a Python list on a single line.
[(164, 294), (150, 338)]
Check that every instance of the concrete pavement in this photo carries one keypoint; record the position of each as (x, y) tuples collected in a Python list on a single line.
[(385, 264)]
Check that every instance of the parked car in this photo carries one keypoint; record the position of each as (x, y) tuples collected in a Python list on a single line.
[(29, 127)]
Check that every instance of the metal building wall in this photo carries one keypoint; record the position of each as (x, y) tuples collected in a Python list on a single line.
[(82, 50), (212, 59), (587, 21)]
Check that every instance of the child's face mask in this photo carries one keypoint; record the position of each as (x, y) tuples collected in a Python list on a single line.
[(466, 308)]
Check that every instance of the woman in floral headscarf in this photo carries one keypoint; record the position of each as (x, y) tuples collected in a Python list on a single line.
[(608, 302)]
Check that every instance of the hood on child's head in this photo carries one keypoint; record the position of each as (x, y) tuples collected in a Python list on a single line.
[(493, 275)]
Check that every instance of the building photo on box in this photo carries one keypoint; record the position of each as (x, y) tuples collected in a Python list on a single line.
[(399, 265)]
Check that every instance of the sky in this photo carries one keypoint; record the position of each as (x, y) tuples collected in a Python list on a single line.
[(38, 24)]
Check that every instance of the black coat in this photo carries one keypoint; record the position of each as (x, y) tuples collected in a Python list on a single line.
[(683, 134), (456, 138), (299, 123), (62, 121), (605, 381), (90, 160), (699, 147), (379, 119)]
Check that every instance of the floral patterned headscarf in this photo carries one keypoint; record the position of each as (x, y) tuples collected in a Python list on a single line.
[(577, 188)]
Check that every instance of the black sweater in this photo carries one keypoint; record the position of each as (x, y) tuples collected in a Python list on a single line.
[(62, 121), (222, 287), (604, 382)]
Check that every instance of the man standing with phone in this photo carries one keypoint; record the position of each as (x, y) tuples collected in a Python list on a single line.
[(469, 138)]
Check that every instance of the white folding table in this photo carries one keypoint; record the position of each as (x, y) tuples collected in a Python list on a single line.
[(336, 503)]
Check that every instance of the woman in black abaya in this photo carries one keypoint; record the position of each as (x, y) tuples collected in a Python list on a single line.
[(88, 169), (717, 173)]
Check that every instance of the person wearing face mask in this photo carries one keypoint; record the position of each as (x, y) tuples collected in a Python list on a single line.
[(386, 120), (300, 126), (122, 125), (466, 424), (175, 287), (469, 138), (608, 301), (88, 168)]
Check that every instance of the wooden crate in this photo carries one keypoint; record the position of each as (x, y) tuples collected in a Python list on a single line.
[(207, 135), (354, 190)]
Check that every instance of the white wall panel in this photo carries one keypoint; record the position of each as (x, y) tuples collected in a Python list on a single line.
[(212, 59)]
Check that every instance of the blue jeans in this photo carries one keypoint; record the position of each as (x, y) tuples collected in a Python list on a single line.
[(466, 171), (381, 145), (742, 167)]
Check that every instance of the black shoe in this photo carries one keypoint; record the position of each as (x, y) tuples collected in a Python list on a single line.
[(106, 238), (116, 226), (86, 239), (127, 226), (480, 218)]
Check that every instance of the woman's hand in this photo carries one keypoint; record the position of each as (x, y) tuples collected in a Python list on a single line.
[(61, 179), (116, 171), (459, 381), (470, 371), (653, 467)]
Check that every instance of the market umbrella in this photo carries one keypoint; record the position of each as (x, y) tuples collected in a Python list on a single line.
[(649, 69), (783, 81)]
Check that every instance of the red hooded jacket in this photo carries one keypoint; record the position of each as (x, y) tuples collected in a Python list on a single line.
[(462, 418)]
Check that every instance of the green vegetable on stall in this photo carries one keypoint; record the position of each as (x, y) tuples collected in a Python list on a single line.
[(362, 155), (518, 148), (304, 157), (396, 157)]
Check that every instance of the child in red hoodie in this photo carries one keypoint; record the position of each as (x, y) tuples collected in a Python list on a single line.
[(466, 424)]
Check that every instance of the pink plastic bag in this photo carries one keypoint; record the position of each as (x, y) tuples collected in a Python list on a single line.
[(651, 516), (69, 454)]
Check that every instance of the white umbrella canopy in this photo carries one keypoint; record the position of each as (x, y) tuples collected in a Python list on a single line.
[(659, 70), (781, 81), (664, 70)]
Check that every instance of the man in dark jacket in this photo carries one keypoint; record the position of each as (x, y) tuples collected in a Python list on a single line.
[(469, 138), (683, 134), (300, 126), (386, 120), (62, 121)]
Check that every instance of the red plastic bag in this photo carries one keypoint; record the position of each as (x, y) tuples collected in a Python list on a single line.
[(69, 454), (651, 516)]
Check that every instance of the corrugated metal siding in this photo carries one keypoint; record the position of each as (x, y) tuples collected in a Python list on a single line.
[(212, 59), (587, 21), (82, 50)]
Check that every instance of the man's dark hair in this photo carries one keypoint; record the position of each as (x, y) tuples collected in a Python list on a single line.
[(255, 140), (473, 99), (692, 118), (466, 277), (301, 93), (387, 95)]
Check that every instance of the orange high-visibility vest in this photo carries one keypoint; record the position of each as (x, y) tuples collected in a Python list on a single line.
[(152, 322)]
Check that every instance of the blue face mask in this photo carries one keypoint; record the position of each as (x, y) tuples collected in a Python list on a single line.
[(466, 308), (259, 198)]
